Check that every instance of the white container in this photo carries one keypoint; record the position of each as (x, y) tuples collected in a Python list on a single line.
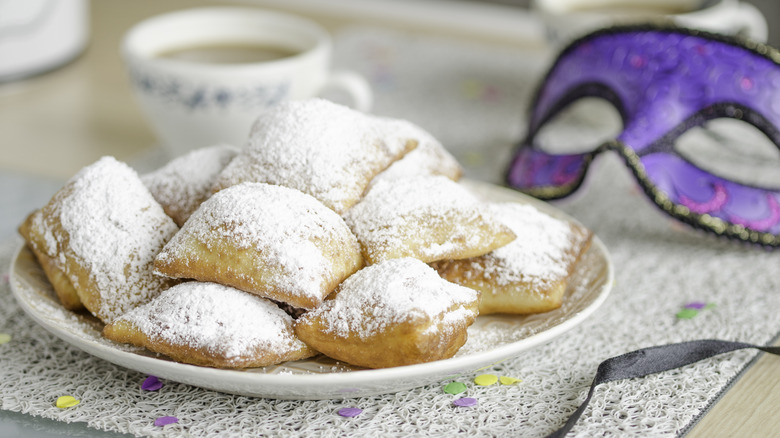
[(40, 35)]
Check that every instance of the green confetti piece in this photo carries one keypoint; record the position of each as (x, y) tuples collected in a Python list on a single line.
[(454, 388), (5, 338), (485, 379), (687, 313)]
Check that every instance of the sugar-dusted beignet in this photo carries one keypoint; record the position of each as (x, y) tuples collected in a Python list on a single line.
[(98, 236), (429, 218), (269, 240), (428, 158), (323, 149), (212, 325), (398, 312), (530, 274), (185, 182)]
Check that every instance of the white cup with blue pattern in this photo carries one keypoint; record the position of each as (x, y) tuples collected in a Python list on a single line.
[(202, 76)]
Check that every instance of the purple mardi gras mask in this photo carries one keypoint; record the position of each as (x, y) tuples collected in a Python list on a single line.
[(663, 82)]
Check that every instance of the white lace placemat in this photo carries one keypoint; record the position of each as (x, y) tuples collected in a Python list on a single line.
[(473, 98)]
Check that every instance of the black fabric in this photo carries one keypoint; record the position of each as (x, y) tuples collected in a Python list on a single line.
[(651, 360)]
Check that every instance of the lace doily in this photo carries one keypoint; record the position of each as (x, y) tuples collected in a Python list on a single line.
[(660, 266)]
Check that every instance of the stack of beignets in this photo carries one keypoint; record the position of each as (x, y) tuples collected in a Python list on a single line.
[(326, 214)]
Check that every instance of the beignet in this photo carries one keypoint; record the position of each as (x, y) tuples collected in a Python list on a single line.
[(428, 158), (98, 236), (185, 182), (429, 218), (530, 274), (269, 240), (398, 312), (326, 150), (212, 325)]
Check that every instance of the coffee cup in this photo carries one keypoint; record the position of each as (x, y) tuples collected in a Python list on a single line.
[(566, 20), (202, 76)]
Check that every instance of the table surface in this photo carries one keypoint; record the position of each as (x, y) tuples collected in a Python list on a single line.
[(88, 111)]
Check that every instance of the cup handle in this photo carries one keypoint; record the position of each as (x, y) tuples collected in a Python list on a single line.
[(751, 23), (353, 84)]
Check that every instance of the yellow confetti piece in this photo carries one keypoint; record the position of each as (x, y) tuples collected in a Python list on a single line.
[(508, 380), (473, 159), (5, 338), (66, 401), (485, 379), (471, 88)]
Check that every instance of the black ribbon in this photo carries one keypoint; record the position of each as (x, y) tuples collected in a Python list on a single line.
[(646, 361)]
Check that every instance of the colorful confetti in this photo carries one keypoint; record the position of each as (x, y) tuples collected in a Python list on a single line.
[(465, 402), (151, 383), (455, 388), (698, 305), (485, 379), (693, 308), (66, 401), (508, 380), (5, 338), (687, 313), (163, 421), (350, 412)]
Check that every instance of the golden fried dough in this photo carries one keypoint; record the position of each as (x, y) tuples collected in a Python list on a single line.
[(185, 182), (326, 150), (269, 240), (99, 235), (52, 267), (397, 312), (212, 325), (429, 218), (530, 274)]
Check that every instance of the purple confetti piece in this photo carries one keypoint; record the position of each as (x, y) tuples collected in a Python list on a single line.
[(151, 383), (465, 402), (350, 412), (162, 421), (698, 305)]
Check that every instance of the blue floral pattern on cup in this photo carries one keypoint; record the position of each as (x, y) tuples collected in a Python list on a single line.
[(201, 97)]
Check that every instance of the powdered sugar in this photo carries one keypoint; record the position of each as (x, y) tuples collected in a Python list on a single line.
[(222, 320), (428, 158), (283, 226), (392, 292), (185, 182), (113, 227), (320, 148), (538, 254)]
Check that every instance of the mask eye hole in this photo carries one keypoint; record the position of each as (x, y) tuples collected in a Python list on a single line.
[(733, 150), (580, 127)]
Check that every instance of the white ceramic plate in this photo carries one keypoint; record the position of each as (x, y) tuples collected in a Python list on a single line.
[(492, 338)]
